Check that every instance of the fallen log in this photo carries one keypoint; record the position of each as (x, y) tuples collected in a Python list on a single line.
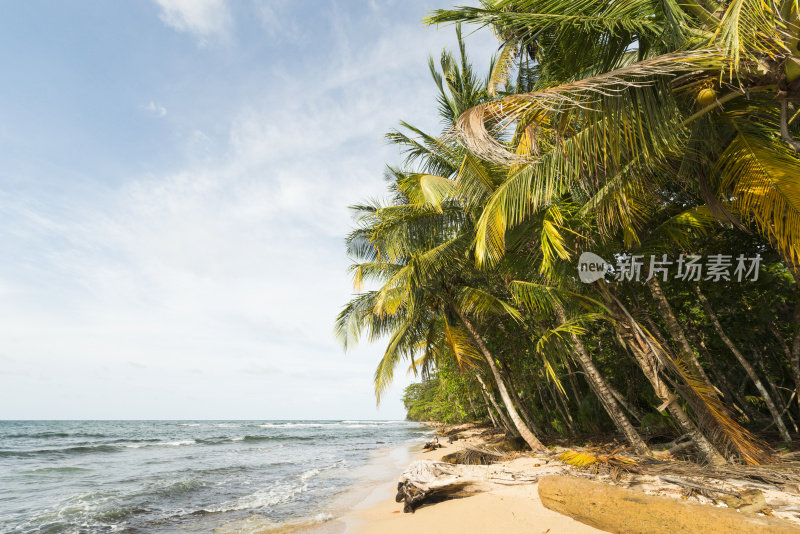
[(696, 486), (431, 445), (627, 511), (427, 481), (473, 456)]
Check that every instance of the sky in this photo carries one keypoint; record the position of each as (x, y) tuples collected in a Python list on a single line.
[(174, 183)]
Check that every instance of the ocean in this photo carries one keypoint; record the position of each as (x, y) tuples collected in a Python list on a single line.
[(190, 476)]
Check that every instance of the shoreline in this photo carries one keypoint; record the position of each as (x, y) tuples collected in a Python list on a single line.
[(511, 509), (364, 487), (505, 496), (370, 485)]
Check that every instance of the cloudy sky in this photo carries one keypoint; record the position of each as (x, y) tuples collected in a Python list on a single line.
[(174, 177)]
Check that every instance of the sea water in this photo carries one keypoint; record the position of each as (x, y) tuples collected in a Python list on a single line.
[(182, 476)]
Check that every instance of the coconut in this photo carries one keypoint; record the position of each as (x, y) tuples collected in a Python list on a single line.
[(706, 96)]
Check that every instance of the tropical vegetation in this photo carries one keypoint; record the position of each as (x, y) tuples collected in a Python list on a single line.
[(651, 133)]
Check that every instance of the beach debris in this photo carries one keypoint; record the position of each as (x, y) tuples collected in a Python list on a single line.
[(617, 509), (783, 476), (511, 444), (595, 459), (474, 456), (431, 445), (751, 501), (696, 487), (428, 481)]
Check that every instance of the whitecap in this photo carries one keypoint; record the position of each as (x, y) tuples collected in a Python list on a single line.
[(262, 498), (310, 473), (293, 425)]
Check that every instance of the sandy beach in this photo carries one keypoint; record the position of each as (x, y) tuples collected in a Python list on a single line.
[(509, 509), (511, 503)]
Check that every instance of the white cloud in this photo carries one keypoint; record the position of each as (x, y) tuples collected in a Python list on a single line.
[(274, 18), (233, 264), (156, 109), (203, 18)]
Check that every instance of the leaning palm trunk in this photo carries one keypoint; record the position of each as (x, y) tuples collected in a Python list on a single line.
[(489, 410), (773, 409), (783, 408), (472, 406), (519, 404), (732, 392), (600, 388), (506, 424), (635, 412), (675, 330), (649, 366), (561, 408), (632, 337), (795, 354), (532, 441), (793, 357)]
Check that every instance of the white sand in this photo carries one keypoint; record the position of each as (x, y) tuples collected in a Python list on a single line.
[(507, 509)]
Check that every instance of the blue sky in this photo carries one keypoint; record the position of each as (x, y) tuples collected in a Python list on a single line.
[(174, 180)]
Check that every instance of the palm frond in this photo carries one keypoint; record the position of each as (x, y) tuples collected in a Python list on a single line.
[(595, 457), (482, 304), (502, 66), (763, 178), (589, 94)]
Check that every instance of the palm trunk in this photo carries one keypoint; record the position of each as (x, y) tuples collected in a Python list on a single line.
[(732, 394), (792, 356), (558, 400), (472, 407), (532, 441), (648, 363), (601, 390), (795, 355), (521, 405), (783, 409), (635, 412), (675, 330), (656, 331), (545, 403), (525, 415), (649, 367), (489, 411), (506, 424), (573, 384), (773, 410)]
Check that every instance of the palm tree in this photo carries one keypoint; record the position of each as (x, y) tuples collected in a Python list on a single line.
[(426, 298), (628, 94), (416, 247), (624, 107)]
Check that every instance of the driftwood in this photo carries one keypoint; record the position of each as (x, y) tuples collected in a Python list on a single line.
[(697, 486), (431, 445), (628, 511), (427, 481), (474, 456)]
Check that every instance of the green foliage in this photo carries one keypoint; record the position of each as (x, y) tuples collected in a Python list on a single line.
[(586, 136)]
